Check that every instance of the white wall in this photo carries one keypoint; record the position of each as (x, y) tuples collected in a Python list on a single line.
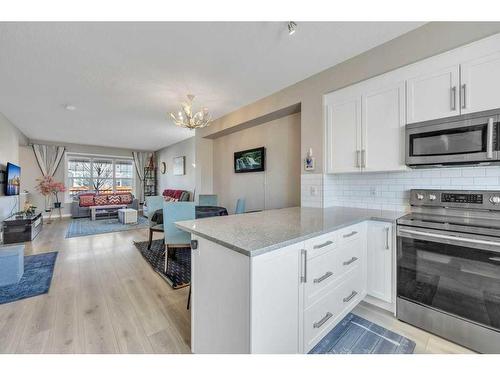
[(10, 138), (31, 172), (279, 185), (168, 180)]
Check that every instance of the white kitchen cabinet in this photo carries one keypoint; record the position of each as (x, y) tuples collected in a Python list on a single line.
[(433, 94), (480, 80), (343, 133), (380, 261), (383, 126)]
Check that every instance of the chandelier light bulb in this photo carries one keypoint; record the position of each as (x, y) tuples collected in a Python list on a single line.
[(186, 119)]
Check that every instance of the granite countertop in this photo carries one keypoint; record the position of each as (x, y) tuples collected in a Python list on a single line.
[(257, 233)]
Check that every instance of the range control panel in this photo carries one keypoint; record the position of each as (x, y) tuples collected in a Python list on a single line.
[(462, 198), (470, 199)]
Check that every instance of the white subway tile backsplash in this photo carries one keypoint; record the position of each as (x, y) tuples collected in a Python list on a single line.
[(391, 190)]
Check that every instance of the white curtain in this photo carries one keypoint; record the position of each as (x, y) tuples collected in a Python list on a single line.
[(48, 158), (140, 161)]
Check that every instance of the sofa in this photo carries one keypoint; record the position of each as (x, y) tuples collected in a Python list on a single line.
[(80, 207)]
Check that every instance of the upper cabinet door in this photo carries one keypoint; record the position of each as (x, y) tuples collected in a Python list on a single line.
[(433, 95), (480, 82), (383, 122), (343, 135)]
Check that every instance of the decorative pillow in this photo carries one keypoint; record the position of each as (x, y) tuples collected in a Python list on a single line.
[(114, 199), (184, 196), (86, 200), (101, 200), (126, 198)]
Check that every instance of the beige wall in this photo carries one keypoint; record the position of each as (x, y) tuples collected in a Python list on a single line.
[(10, 139), (31, 172), (168, 180), (279, 185), (428, 40)]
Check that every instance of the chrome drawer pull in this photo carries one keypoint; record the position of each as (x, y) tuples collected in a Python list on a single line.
[(352, 260), (323, 320), (350, 234), (350, 296), (323, 278), (322, 245)]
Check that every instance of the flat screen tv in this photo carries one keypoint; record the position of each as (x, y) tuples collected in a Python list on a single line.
[(253, 160), (13, 185)]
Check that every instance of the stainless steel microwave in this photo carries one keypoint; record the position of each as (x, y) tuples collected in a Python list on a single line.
[(459, 140)]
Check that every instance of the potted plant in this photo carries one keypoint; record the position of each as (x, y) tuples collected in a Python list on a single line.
[(47, 186)]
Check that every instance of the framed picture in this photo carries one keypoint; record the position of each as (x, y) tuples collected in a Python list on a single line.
[(252, 160), (179, 163)]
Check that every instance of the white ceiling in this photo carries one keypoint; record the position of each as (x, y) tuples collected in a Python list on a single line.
[(124, 78)]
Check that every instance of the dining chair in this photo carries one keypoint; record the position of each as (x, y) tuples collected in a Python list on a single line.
[(240, 206), (174, 237), (154, 203), (207, 200)]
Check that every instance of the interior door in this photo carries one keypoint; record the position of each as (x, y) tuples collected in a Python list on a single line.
[(383, 124), (343, 134), (480, 81), (434, 95)]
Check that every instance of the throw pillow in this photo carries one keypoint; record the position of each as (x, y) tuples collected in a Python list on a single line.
[(114, 199), (101, 200), (126, 198), (86, 200)]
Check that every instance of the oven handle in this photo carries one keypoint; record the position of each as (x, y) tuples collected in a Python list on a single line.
[(453, 238)]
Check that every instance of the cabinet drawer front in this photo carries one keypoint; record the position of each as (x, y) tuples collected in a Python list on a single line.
[(350, 233), (322, 271), (350, 255), (320, 245), (322, 316)]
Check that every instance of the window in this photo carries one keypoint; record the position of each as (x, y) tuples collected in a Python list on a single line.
[(99, 174)]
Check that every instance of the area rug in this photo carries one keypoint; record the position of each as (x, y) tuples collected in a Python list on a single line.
[(178, 273), (355, 335), (38, 270), (87, 227)]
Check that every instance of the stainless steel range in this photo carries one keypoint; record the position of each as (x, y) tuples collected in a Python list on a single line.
[(448, 266)]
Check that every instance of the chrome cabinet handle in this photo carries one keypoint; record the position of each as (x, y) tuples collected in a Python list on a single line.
[(303, 276), (358, 153), (352, 260), (387, 238), (322, 245), (350, 296), (323, 278), (323, 320), (495, 259), (462, 96), (350, 234), (453, 98), (445, 237), (363, 158), (489, 140)]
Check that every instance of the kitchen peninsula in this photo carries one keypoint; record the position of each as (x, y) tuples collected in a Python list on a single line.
[(278, 281)]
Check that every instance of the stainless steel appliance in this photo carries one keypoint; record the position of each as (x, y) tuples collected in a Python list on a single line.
[(448, 266), (466, 139)]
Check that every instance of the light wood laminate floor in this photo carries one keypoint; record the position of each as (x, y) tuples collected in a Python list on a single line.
[(105, 298)]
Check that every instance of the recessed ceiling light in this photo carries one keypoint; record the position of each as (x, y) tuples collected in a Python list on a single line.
[(69, 107), (292, 28)]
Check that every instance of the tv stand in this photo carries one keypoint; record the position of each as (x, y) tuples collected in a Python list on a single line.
[(21, 227)]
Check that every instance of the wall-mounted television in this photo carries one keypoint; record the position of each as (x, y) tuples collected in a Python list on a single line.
[(13, 181), (253, 160)]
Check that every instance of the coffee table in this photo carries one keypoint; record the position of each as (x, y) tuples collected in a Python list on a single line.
[(94, 209)]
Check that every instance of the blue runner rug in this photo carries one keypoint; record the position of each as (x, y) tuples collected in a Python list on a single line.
[(87, 227), (38, 270), (355, 335)]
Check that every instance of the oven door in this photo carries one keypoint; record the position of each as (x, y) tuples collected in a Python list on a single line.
[(459, 142), (455, 273)]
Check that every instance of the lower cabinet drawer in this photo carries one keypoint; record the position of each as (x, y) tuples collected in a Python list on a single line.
[(322, 271), (323, 315)]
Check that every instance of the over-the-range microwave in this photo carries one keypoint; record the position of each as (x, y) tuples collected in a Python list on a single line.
[(459, 140)]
